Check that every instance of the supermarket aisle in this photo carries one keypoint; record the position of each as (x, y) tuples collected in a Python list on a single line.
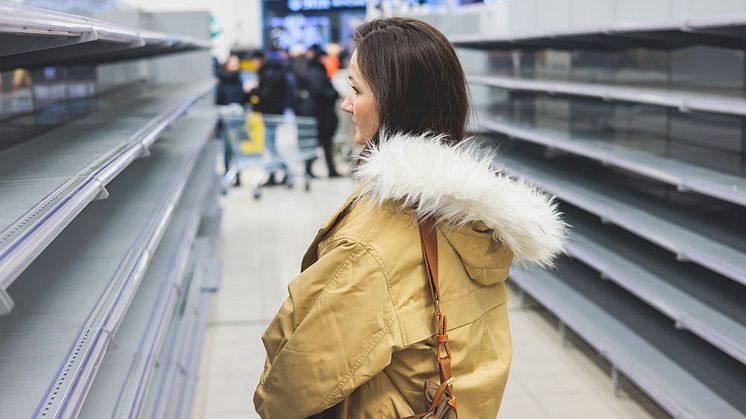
[(262, 244)]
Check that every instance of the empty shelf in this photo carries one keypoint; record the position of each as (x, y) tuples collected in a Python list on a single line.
[(723, 32), (681, 100), (185, 336), (154, 43), (124, 377), (208, 242), (168, 378), (71, 300), (47, 180), (730, 25), (685, 176), (700, 301), (192, 361), (692, 238), (687, 377), (40, 28), (32, 37)]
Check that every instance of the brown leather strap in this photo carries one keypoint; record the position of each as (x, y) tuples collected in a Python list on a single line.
[(429, 239)]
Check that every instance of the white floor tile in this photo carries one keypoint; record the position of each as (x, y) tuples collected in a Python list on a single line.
[(573, 404), (521, 407)]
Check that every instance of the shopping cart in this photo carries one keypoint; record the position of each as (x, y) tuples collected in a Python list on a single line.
[(250, 141), (306, 143)]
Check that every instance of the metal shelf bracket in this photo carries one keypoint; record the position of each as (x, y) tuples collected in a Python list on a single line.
[(102, 194), (6, 303)]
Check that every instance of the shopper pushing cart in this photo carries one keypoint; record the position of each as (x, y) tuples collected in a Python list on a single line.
[(245, 134)]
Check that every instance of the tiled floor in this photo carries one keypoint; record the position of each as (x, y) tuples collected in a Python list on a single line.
[(262, 244)]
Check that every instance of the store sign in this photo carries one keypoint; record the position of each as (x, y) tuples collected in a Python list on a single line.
[(284, 32), (301, 5)]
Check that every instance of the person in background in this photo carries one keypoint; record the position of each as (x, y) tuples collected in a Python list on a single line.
[(230, 87), (303, 104), (357, 336), (270, 97), (324, 98), (215, 66), (331, 62), (230, 90), (298, 62), (284, 57), (298, 66), (344, 58)]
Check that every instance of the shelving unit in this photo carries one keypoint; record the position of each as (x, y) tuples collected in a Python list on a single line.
[(175, 375), (695, 299), (689, 236), (680, 100), (718, 31), (32, 37), (130, 365), (655, 277), (666, 363), (48, 190), (684, 176), (89, 298), (108, 224)]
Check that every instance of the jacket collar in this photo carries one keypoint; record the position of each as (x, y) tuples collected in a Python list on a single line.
[(311, 255), (459, 185)]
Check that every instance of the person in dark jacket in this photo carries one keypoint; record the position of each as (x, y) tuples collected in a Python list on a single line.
[(271, 97), (324, 97), (271, 93), (230, 90), (230, 87)]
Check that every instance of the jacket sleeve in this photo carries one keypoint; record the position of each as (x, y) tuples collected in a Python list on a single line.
[(335, 331)]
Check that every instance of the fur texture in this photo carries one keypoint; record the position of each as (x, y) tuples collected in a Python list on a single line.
[(458, 185)]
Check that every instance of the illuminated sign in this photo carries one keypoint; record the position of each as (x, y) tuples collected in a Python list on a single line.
[(284, 32), (299, 5)]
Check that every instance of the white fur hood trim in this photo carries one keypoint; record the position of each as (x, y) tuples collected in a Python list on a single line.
[(458, 185)]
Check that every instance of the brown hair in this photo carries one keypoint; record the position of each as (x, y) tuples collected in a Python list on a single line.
[(415, 76)]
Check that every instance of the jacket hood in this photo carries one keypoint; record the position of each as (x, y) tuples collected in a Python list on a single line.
[(461, 188)]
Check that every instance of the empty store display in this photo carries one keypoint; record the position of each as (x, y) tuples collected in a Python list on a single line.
[(108, 223), (643, 148)]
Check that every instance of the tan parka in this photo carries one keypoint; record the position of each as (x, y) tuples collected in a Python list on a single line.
[(356, 330)]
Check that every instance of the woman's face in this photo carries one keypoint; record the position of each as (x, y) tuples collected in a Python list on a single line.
[(362, 104)]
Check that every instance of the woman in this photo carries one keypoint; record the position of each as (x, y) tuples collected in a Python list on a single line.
[(356, 333)]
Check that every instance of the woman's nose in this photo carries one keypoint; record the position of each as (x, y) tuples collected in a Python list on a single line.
[(347, 104)]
